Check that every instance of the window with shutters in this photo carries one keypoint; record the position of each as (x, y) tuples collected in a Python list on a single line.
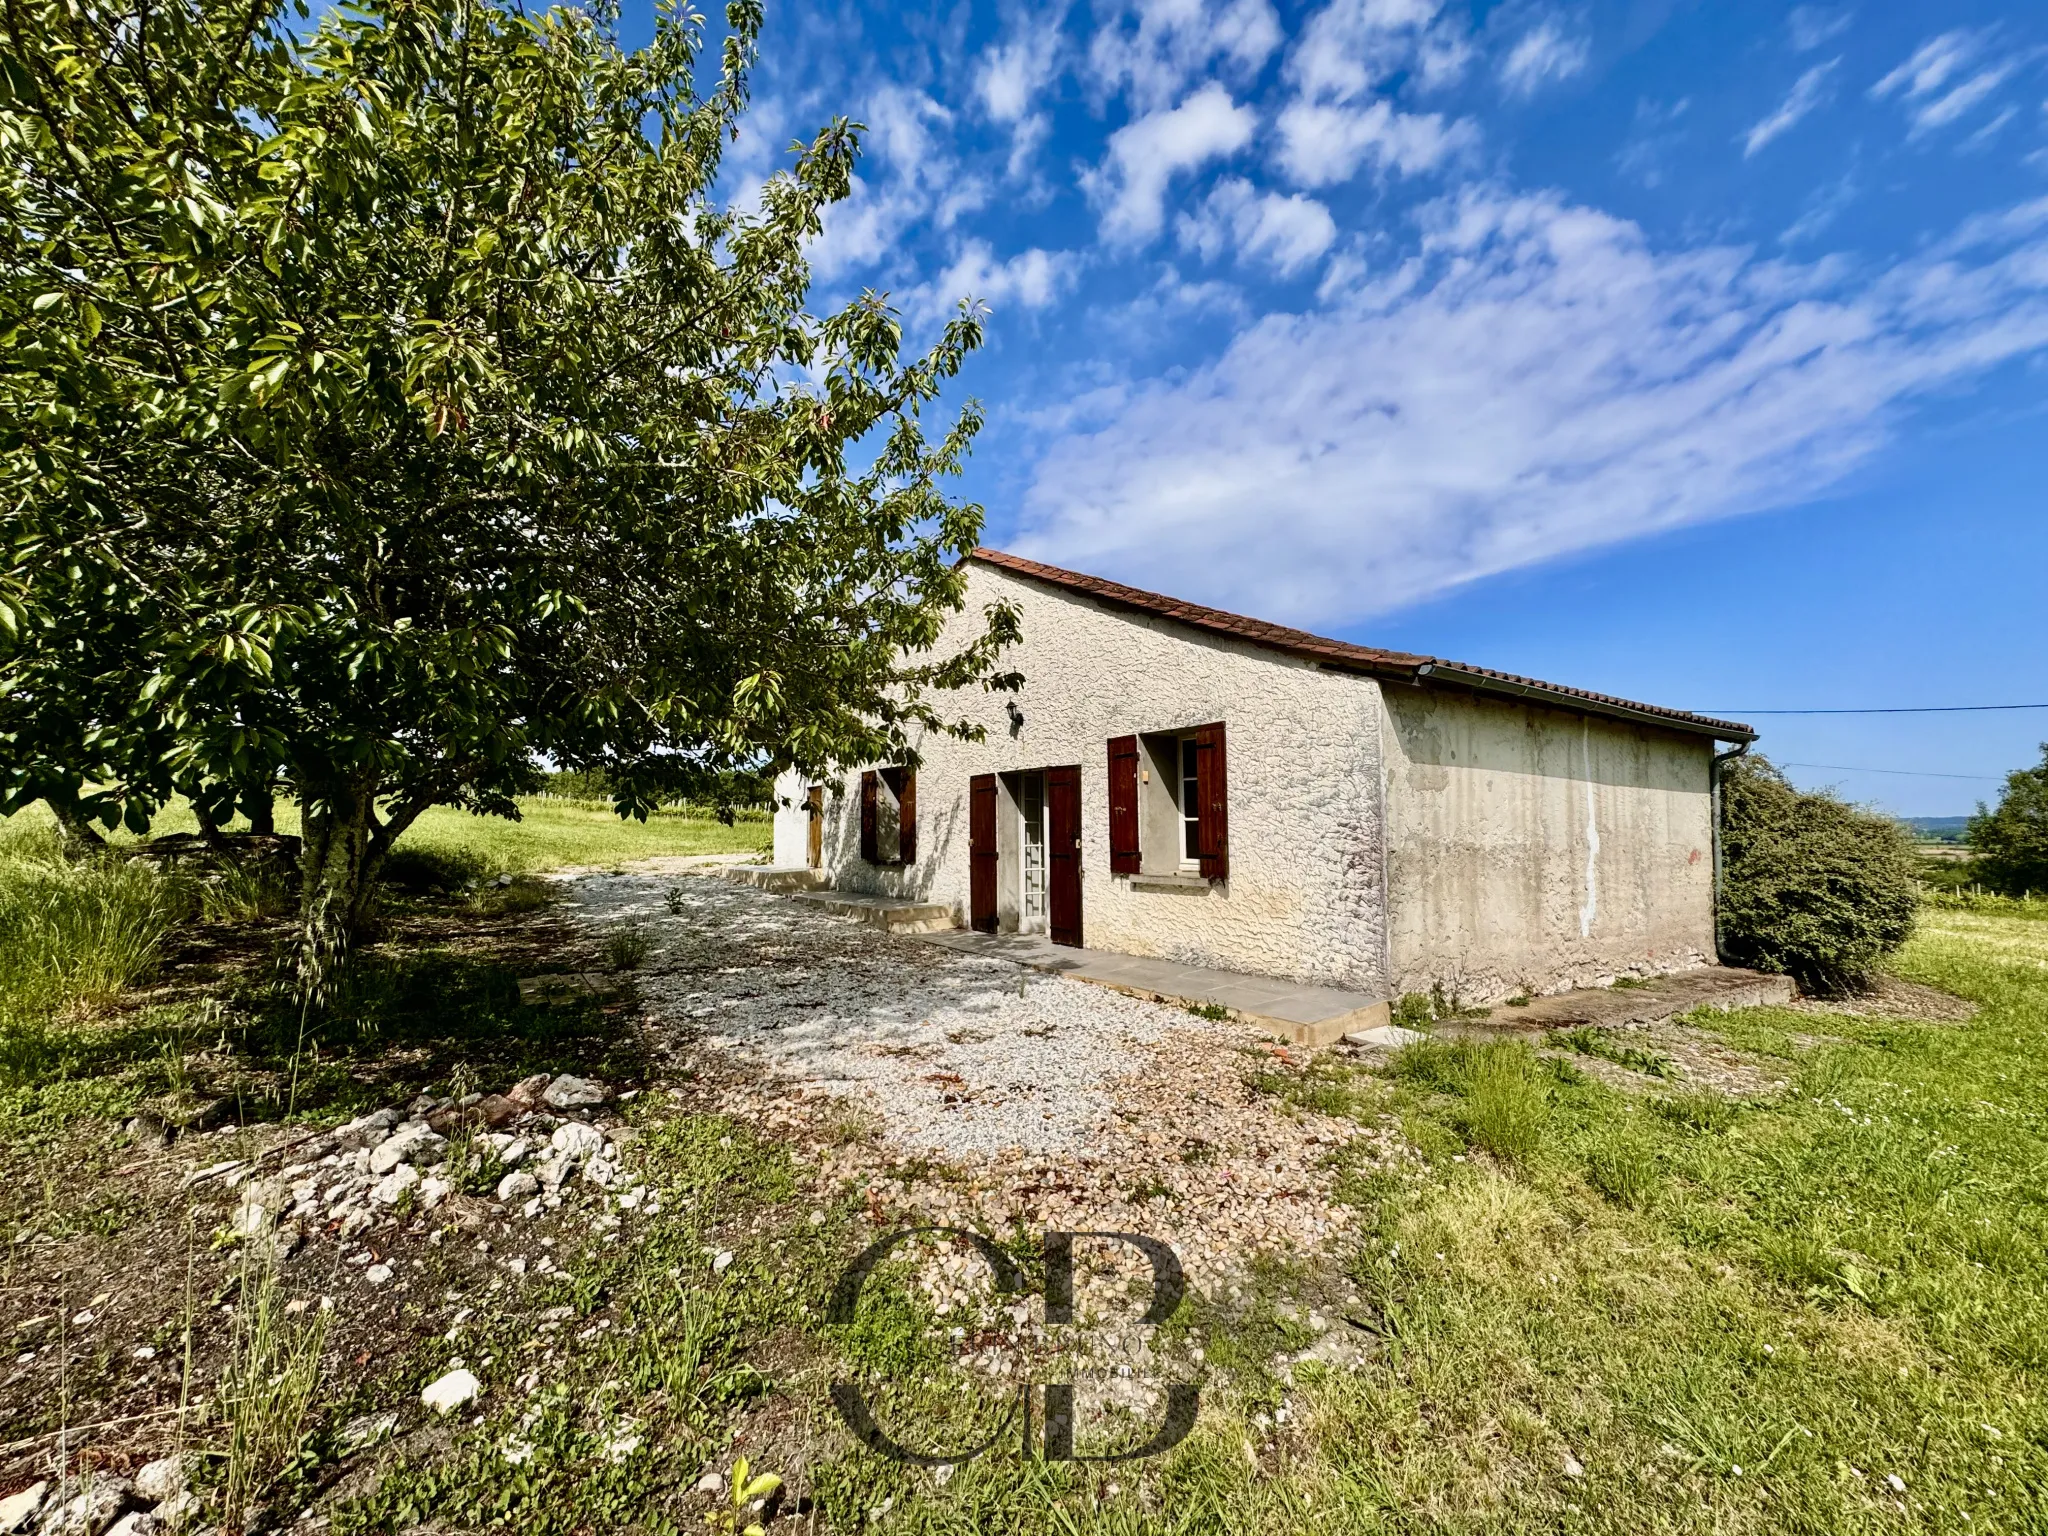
[(888, 816), (1174, 784)]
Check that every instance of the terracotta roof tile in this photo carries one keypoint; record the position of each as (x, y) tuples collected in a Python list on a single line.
[(1362, 658)]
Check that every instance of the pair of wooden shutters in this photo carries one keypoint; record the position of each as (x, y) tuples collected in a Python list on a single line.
[(1212, 799), (901, 785)]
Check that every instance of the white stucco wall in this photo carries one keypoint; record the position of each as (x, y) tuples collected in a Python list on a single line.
[(1541, 848), (1303, 897)]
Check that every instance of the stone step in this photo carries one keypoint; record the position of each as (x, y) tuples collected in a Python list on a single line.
[(783, 882), (894, 913)]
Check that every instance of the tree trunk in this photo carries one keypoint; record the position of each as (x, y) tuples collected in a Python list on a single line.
[(260, 806), (337, 868), (342, 849), (81, 837), (209, 829)]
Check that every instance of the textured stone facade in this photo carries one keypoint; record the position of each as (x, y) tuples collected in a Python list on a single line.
[(1381, 837)]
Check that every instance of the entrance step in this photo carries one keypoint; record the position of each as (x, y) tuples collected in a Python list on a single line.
[(782, 881), (1298, 1012), (891, 912)]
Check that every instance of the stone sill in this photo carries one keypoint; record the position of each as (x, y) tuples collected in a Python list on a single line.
[(1170, 882)]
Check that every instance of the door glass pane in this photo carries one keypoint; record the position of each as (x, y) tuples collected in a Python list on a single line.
[(1032, 807)]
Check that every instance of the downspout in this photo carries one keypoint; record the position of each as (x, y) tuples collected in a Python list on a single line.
[(1721, 759)]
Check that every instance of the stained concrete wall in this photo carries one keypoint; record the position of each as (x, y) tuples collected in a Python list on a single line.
[(1303, 899), (1538, 848)]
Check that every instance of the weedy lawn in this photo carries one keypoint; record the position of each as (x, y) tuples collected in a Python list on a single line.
[(1586, 1307)]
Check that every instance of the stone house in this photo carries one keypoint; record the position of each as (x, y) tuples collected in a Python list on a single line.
[(1180, 782)]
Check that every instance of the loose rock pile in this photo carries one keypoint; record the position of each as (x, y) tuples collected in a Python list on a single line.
[(156, 1499), (528, 1141)]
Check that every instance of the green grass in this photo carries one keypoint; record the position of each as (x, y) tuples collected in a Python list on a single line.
[(551, 833), (1728, 1316)]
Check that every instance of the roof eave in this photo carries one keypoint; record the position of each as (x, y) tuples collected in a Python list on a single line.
[(1615, 709)]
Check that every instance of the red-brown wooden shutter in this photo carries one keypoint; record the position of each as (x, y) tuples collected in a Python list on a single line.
[(983, 859), (1212, 791), (1123, 805), (906, 817), (870, 839)]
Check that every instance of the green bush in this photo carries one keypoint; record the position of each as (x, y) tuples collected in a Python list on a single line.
[(1811, 886), (2011, 842)]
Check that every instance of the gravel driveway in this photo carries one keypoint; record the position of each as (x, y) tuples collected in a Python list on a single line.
[(958, 1055), (1057, 1104)]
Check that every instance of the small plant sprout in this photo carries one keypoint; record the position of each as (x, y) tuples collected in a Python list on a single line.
[(743, 1491), (626, 947), (673, 899)]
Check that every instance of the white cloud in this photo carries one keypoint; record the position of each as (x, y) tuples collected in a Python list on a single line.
[(1932, 63), (1154, 48), (1286, 232), (1336, 123), (1030, 280), (1012, 77), (1012, 74), (1320, 145), (1351, 47), (1922, 82), (1535, 379), (1951, 105), (909, 176), (1807, 93), (1145, 155), (1543, 55), (1813, 25)]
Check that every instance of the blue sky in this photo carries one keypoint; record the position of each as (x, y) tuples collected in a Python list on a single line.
[(1694, 352)]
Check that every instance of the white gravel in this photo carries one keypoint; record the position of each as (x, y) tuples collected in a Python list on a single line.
[(959, 1055)]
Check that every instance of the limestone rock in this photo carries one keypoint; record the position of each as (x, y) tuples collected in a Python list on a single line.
[(392, 1187), (452, 1391), (576, 1141), (92, 1505), (411, 1143), (160, 1480), (567, 1092), (18, 1509), (517, 1186)]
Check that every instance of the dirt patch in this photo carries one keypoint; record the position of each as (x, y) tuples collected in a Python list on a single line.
[(1893, 997)]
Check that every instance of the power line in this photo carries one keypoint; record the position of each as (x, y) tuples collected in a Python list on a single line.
[(1928, 709), (1909, 773)]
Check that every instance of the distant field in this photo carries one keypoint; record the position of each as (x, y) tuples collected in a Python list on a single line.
[(550, 834)]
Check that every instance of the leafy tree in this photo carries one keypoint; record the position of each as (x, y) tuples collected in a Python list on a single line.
[(1811, 886), (2011, 842), (385, 409)]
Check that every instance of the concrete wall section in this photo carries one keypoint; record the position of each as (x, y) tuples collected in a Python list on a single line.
[(1538, 848), (1303, 897)]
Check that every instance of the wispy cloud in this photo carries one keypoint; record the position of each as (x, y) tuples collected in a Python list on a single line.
[(1808, 92), (1811, 26), (1145, 156), (1543, 55), (1535, 379), (1030, 280), (1338, 119), (1287, 233), (1154, 49), (1922, 82), (1013, 77)]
